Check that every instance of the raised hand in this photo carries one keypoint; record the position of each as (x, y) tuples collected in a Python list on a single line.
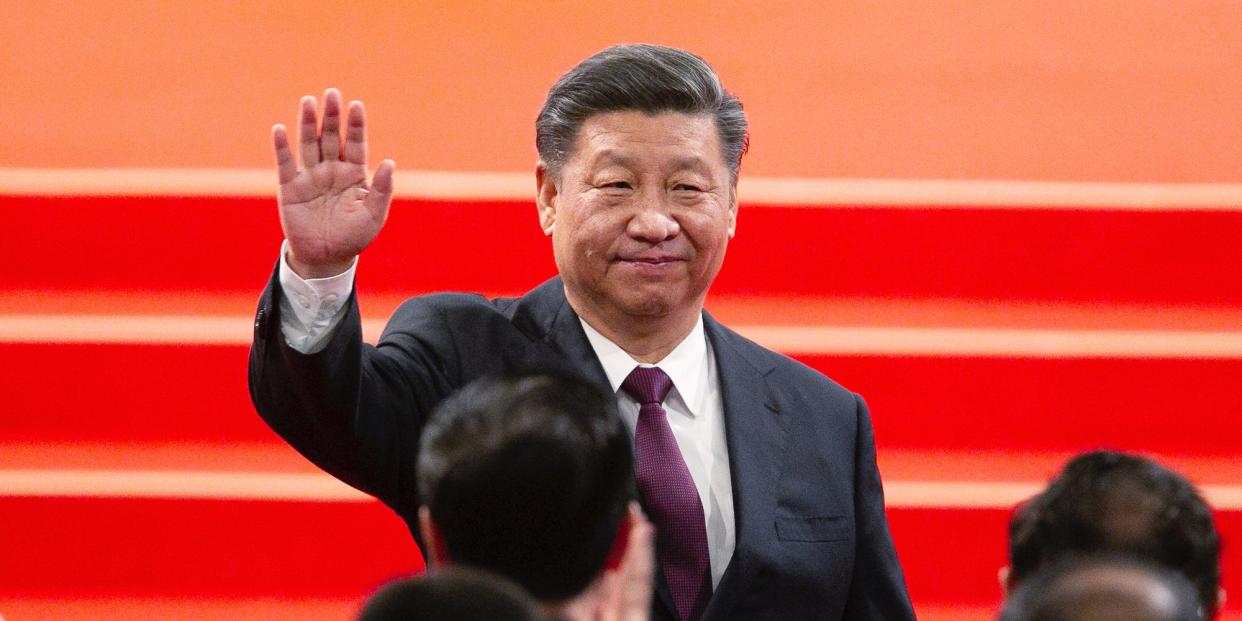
[(627, 589), (328, 211)]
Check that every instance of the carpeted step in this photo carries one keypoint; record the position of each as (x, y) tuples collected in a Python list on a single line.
[(1170, 257), (255, 521), (177, 393)]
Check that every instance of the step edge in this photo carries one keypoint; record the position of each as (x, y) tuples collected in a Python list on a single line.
[(760, 191)]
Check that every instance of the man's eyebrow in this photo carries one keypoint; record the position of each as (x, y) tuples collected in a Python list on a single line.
[(613, 157), (691, 162)]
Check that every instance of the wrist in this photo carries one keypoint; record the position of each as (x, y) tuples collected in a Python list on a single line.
[(308, 271)]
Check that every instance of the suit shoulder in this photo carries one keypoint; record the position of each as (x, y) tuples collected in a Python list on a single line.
[(784, 370), (787, 369), (472, 305)]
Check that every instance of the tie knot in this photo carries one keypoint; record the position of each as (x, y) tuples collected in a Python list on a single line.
[(647, 385)]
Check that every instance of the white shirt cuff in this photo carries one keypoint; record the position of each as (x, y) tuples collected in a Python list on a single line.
[(311, 309)]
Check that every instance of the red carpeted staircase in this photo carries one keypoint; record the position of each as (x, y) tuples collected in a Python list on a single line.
[(136, 481)]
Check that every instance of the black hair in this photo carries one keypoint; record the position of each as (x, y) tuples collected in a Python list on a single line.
[(646, 78), (453, 595), (1110, 502), (529, 476)]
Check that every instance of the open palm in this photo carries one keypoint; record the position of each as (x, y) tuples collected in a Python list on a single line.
[(328, 211)]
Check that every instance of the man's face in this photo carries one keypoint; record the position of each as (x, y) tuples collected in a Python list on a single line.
[(641, 213)]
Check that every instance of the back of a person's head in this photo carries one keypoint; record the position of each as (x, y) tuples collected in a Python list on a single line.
[(528, 476), (1106, 502), (453, 595), (1104, 589)]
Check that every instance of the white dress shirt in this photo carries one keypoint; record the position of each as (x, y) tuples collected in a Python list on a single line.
[(311, 309), (696, 416)]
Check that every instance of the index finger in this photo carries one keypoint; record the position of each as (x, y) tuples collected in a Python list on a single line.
[(356, 134), (286, 166), (308, 132)]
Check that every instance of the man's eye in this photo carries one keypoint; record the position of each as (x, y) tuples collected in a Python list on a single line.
[(686, 187), (621, 185)]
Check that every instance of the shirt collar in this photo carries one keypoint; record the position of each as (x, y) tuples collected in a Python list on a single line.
[(684, 365)]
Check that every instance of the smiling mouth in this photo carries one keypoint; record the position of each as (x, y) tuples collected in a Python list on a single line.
[(642, 262), (647, 257)]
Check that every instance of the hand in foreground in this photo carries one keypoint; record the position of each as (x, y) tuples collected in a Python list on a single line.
[(627, 589), (328, 211)]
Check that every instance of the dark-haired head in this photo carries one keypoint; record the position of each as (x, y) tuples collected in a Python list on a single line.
[(1104, 589), (644, 78), (453, 595), (528, 476), (1106, 502)]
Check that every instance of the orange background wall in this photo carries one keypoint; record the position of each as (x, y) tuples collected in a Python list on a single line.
[(1137, 90)]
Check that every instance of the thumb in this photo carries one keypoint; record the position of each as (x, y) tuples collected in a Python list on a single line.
[(379, 197)]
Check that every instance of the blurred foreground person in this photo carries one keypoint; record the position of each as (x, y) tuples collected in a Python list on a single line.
[(758, 471), (455, 595), (1104, 589), (531, 477), (1105, 502)]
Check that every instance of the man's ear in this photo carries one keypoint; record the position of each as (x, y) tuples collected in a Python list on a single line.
[(437, 552), (733, 210), (545, 197), (1003, 576)]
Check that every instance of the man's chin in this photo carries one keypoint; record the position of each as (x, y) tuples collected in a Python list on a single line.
[(654, 305), (652, 309), (644, 301)]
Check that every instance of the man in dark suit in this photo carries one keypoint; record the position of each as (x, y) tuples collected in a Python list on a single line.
[(758, 472)]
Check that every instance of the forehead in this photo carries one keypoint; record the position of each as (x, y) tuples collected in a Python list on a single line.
[(634, 137)]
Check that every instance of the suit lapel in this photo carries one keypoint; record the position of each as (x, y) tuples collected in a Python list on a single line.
[(547, 318), (756, 437)]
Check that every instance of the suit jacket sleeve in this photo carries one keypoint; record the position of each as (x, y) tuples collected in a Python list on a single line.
[(878, 589), (353, 409)]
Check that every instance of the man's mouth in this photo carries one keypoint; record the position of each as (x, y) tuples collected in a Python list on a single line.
[(656, 260)]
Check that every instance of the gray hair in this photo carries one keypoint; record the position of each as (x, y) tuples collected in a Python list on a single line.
[(647, 78)]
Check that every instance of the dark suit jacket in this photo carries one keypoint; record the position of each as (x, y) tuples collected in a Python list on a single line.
[(812, 539)]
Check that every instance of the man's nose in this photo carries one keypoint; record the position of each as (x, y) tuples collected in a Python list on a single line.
[(653, 222)]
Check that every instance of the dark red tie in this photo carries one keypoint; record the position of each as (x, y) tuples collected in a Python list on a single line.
[(669, 496)]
